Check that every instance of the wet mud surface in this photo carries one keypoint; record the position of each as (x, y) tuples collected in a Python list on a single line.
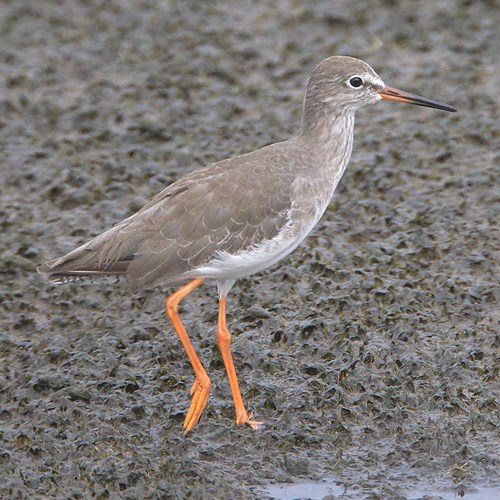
[(370, 353)]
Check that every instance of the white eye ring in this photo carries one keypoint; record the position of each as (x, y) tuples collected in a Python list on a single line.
[(355, 82)]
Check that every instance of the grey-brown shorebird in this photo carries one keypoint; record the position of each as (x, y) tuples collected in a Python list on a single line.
[(238, 216)]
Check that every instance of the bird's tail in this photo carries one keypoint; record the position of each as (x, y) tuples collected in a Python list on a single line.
[(80, 274), (104, 255)]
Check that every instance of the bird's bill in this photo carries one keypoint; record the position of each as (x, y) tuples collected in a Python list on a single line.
[(392, 94)]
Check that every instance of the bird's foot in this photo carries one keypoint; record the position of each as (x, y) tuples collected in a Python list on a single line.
[(243, 418), (199, 391)]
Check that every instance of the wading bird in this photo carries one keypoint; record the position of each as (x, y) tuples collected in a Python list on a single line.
[(238, 216)]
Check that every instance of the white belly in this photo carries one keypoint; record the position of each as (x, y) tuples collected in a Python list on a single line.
[(227, 266)]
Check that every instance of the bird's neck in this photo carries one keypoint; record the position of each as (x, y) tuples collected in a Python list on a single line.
[(328, 140)]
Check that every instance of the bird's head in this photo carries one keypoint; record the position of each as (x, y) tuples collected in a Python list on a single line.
[(340, 85)]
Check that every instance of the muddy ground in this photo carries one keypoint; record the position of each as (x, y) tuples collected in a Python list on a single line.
[(370, 353)]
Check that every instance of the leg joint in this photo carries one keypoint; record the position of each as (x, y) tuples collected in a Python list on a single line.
[(172, 302), (223, 336), (172, 305)]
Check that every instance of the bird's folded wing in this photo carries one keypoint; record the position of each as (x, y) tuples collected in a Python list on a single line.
[(212, 210)]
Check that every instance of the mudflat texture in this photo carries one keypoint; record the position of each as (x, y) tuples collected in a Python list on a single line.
[(370, 353)]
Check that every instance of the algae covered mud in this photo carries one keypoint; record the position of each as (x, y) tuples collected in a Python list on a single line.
[(370, 352)]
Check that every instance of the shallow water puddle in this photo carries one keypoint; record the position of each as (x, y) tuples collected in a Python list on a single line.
[(319, 490), (312, 490)]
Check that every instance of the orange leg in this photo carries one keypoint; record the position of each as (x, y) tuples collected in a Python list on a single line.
[(224, 341), (201, 386)]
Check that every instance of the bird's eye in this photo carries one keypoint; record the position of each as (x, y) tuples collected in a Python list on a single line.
[(356, 82)]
